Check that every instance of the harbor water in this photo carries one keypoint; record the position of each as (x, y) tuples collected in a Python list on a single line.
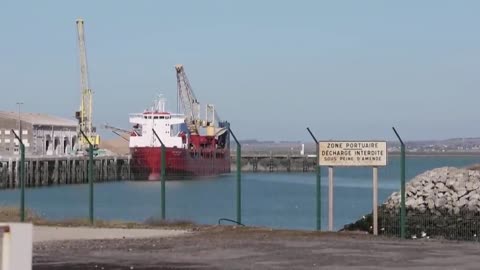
[(278, 200)]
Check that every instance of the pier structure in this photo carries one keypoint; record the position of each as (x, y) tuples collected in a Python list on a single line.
[(60, 170), (47, 171), (276, 163)]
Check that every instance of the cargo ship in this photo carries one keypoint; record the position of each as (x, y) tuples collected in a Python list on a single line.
[(195, 146)]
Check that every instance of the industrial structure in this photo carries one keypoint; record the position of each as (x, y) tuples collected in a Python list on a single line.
[(191, 107), (41, 134), (85, 114)]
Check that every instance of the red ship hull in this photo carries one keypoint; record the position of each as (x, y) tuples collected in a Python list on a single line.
[(180, 163)]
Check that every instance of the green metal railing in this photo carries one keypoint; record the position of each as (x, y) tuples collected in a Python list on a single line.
[(90, 179), (22, 176), (318, 176), (163, 173)]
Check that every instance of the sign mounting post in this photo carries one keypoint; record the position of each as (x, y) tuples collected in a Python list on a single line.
[(330, 198), (353, 154), (375, 200)]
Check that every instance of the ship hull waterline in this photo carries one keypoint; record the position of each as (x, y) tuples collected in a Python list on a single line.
[(180, 163)]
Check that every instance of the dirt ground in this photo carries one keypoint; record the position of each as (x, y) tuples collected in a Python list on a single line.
[(225, 247), (59, 233)]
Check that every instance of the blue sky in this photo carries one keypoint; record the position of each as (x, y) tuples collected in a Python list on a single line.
[(347, 69)]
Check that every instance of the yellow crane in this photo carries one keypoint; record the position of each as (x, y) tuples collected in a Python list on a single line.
[(85, 115)]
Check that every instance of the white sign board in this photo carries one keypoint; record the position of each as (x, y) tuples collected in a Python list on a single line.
[(353, 153)]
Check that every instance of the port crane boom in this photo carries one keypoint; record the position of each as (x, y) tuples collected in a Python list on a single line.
[(107, 126), (117, 131), (84, 115)]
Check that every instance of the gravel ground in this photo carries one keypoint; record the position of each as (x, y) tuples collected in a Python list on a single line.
[(49, 233), (222, 247)]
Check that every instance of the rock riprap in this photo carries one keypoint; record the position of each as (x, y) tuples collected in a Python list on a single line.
[(441, 191), (443, 202)]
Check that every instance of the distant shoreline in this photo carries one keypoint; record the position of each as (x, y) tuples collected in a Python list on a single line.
[(396, 153), (432, 154)]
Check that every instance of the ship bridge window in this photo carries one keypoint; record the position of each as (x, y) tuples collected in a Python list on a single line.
[(155, 117), (161, 117)]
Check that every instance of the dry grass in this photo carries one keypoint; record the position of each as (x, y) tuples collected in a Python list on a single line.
[(156, 222), (12, 214)]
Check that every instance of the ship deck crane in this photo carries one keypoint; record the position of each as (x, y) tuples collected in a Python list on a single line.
[(84, 115), (117, 131), (187, 99), (191, 108)]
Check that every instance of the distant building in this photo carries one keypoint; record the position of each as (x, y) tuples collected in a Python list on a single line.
[(42, 134)]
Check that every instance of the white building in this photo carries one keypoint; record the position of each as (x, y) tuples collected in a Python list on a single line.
[(42, 134)]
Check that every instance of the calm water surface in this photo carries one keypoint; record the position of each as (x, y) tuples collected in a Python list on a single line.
[(280, 200)]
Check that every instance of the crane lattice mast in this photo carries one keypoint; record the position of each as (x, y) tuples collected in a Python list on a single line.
[(84, 116), (187, 99)]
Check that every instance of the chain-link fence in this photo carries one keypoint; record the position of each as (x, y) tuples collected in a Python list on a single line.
[(462, 226)]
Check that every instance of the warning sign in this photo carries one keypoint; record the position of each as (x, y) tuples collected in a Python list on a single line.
[(353, 153)]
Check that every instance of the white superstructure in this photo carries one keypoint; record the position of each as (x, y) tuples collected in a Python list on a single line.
[(165, 124)]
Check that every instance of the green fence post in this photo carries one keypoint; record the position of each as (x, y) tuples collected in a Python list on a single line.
[(22, 180), (21, 176), (402, 186), (163, 173), (239, 177), (403, 209), (90, 183), (90, 179), (239, 183), (163, 176), (318, 204)]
